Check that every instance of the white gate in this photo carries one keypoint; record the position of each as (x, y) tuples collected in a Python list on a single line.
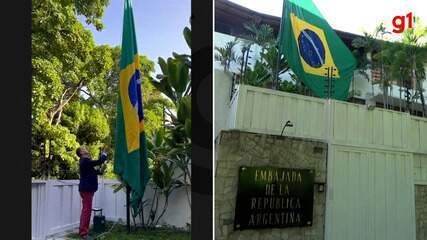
[(370, 195)]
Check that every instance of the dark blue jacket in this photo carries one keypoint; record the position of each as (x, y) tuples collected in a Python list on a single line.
[(89, 175)]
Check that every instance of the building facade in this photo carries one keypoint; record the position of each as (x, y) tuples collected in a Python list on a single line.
[(370, 164)]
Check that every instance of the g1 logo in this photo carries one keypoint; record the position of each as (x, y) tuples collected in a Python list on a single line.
[(399, 22)]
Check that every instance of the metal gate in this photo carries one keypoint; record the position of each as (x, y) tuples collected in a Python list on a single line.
[(370, 195)]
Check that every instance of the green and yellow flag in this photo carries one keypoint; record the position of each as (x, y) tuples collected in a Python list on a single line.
[(314, 51), (130, 158)]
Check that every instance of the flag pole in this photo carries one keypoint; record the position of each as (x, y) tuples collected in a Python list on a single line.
[(276, 81), (128, 208)]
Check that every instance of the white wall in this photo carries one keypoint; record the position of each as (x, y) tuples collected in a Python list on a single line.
[(222, 88), (56, 206), (262, 110), (225, 106)]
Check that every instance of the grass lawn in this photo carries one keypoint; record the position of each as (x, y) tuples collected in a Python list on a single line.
[(120, 232)]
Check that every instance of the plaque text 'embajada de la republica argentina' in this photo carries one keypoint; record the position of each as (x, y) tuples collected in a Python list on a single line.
[(274, 197)]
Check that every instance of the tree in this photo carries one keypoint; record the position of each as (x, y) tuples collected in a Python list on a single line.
[(260, 34), (244, 58), (65, 60), (366, 47), (175, 83), (270, 66), (169, 148), (275, 65), (105, 95), (92, 10), (416, 55), (226, 55), (404, 61), (74, 87)]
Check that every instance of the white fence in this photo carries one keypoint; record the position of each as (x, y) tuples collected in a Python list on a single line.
[(266, 111), (56, 206)]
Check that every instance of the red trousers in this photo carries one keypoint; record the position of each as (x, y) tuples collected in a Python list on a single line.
[(87, 198)]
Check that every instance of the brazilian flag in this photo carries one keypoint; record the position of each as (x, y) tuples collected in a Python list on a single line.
[(130, 158), (314, 51)]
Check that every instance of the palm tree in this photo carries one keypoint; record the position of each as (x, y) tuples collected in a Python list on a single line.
[(244, 58), (417, 54), (405, 61), (225, 55), (260, 34), (270, 65), (275, 65), (365, 47)]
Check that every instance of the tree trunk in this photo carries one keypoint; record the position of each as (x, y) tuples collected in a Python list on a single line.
[(58, 118), (246, 61), (64, 101), (422, 101), (384, 101), (408, 99), (372, 85), (242, 64)]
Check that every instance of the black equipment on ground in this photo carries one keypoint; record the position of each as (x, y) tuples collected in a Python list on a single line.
[(98, 220)]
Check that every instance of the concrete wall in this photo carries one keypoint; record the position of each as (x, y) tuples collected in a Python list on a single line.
[(237, 149), (421, 211)]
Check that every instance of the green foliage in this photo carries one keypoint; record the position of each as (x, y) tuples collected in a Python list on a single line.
[(365, 46), (174, 81), (169, 148), (226, 55), (65, 60), (187, 36), (163, 176), (267, 69), (119, 231), (257, 75), (260, 34), (405, 61), (184, 114), (287, 86), (61, 10), (87, 123), (400, 62), (75, 86)]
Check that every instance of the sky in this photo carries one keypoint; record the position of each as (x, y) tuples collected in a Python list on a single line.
[(158, 26), (350, 16)]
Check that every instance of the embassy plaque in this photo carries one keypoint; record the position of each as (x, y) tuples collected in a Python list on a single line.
[(269, 197)]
